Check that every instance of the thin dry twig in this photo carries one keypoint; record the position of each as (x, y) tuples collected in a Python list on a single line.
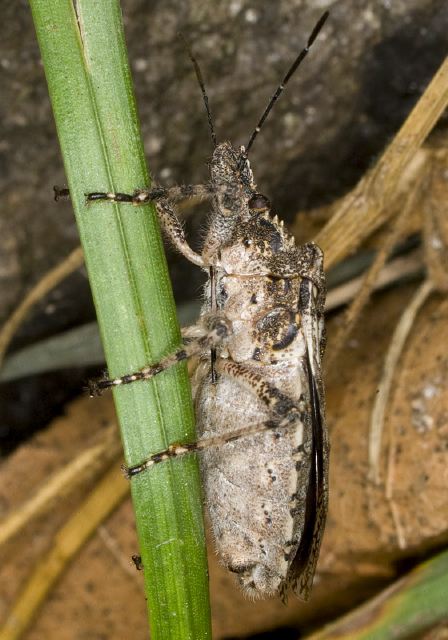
[(364, 209), (105, 497), (50, 280), (395, 270), (397, 342), (64, 481), (401, 538), (353, 313), (390, 479)]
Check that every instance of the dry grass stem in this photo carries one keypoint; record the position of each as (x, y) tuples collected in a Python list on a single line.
[(353, 313), (397, 342), (394, 510), (102, 501), (365, 208), (39, 291), (75, 473), (395, 270)]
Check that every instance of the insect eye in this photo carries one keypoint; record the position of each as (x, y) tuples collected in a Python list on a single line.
[(259, 202)]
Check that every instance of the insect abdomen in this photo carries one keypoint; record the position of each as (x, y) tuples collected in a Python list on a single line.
[(255, 488)]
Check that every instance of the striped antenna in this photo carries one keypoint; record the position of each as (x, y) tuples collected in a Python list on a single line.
[(202, 86), (287, 77)]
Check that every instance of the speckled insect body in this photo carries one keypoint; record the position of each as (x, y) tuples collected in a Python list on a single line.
[(258, 391), (266, 494)]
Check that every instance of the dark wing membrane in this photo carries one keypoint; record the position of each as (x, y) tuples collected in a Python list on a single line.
[(303, 567)]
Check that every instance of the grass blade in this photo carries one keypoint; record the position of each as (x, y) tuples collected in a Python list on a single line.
[(84, 56), (406, 609)]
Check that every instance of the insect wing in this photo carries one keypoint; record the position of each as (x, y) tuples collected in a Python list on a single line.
[(303, 567)]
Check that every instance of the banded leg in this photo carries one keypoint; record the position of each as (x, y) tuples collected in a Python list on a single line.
[(211, 333), (163, 200), (279, 403), (285, 411), (143, 196), (173, 228)]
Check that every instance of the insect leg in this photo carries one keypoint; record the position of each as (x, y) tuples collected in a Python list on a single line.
[(143, 196), (164, 200), (214, 330), (174, 230), (286, 414), (276, 401)]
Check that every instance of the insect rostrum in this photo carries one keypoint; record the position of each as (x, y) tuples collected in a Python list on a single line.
[(257, 389)]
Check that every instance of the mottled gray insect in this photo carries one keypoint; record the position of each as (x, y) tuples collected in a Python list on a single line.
[(258, 390)]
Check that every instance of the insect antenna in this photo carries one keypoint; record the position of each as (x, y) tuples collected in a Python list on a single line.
[(201, 83), (320, 23)]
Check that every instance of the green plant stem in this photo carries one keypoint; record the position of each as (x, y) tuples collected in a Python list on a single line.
[(91, 92), (406, 609)]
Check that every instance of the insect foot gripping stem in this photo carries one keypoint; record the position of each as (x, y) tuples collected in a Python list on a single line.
[(60, 193)]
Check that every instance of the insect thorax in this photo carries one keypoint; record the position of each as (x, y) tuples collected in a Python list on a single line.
[(257, 267)]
